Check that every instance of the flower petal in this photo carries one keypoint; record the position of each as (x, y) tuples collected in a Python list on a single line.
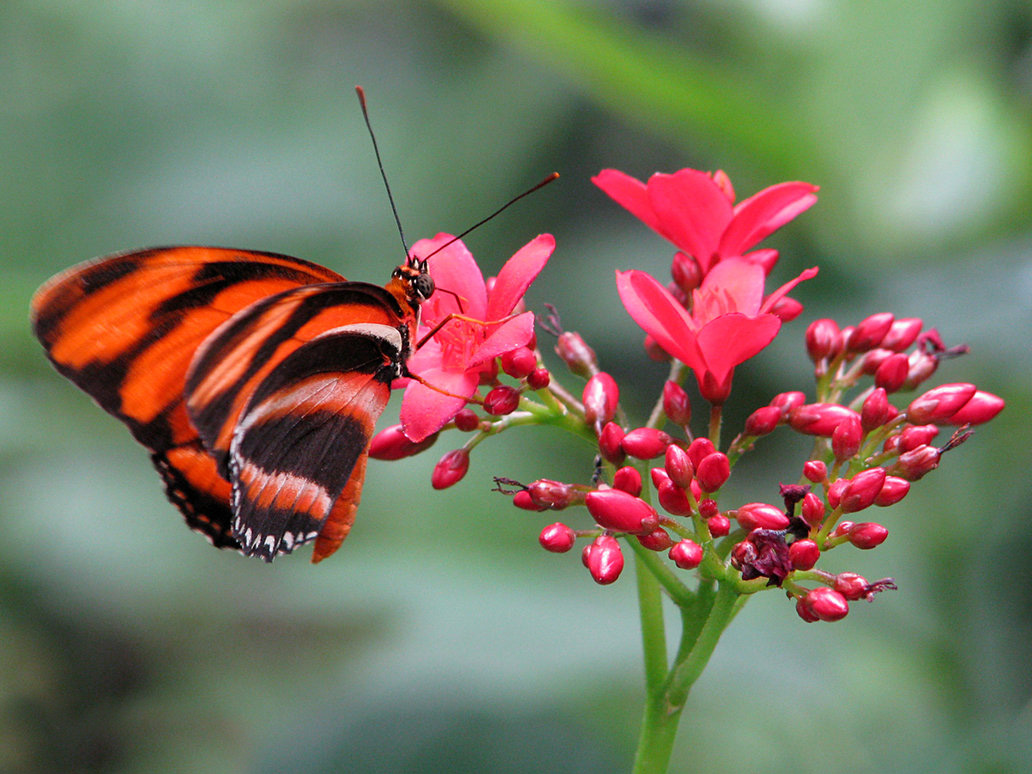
[(629, 193), (455, 273), (693, 212), (504, 338), (732, 339), (424, 411), (734, 285), (651, 306), (517, 274), (765, 212), (773, 298)]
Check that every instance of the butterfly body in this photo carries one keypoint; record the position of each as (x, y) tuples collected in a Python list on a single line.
[(254, 379)]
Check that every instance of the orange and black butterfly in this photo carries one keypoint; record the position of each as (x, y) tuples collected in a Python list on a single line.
[(253, 378)]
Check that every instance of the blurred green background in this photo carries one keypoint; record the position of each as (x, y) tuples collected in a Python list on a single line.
[(441, 638)]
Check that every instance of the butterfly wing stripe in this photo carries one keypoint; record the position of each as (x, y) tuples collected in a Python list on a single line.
[(194, 486)]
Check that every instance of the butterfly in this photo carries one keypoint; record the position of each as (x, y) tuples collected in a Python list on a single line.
[(254, 379)]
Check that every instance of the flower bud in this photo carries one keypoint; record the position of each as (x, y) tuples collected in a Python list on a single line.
[(812, 509), (673, 500), (803, 611), (450, 469), (519, 362), (786, 401), (763, 421), (761, 515), (686, 554), (601, 396), (610, 443), (538, 379), (554, 495), (902, 333), (827, 604), (713, 471), (922, 366), (657, 540), (916, 435), (645, 443), (815, 471), (742, 554), (917, 463), (627, 479), (467, 421), (893, 490), (605, 559), (851, 586), (686, 272), (617, 510), (869, 333), (862, 490), (846, 438), (676, 404), (708, 508), (892, 373), (875, 411), (659, 477), (819, 418), (699, 448), (713, 391), (488, 372), (823, 339), (557, 538), (982, 407), (578, 356), (803, 554), (654, 351), (522, 499), (835, 490), (786, 309), (719, 525), (678, 466), (392, 444), (842, 529), (872, 360), (939, 404), (867, 535), (502, 400)]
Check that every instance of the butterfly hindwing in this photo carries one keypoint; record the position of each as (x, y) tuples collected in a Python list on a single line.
[(297, 455), (125, 329)]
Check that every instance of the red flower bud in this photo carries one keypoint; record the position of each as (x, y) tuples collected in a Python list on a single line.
[(803, 554), (522, 499), (578, 356), (786, 401), (812, 509), (627, 479), (872, 360), (659, 477), (893, 490), (867, 535), (823, 339), (815, 471), (686, 554), (686, 272), (657, 540), (676, 404), (922, 366), (708, 508), (610, 443), (645, 443), (939, 404), (847, 437), (678, 466), (392, 444), (842, 529), (519, 362), (654, 351), (916, 435), (803, 611), (827, 604), (753, 515), (982, 407), (502, 400), (850, 585), (819, 418), (902, 333), (892, 373), (554, 495), (835, 492), (713, 471), (617, 510), (467, 420), (917, 463), (742, 554), (869, 333), (862, 490), (875, 411), (601, 396), (450, 469), (763, 420), (786, 308), (719, 525), (673, 499), (557, 538), (538, 379), (605, 559), (699, 448)]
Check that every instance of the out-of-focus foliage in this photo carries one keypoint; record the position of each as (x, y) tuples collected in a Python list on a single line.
[(440, 637)]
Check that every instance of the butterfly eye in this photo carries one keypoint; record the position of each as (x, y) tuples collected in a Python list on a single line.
[(423, 286)]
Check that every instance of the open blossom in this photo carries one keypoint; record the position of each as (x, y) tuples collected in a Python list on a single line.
[(455, 356), (730, 320), (696, 211)]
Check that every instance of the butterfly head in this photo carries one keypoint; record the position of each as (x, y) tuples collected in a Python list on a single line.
[(415, 276)]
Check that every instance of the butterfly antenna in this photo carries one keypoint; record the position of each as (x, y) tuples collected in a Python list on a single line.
[(512, 201), (379, 162)]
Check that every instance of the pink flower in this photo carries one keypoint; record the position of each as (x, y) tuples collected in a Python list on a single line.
[(730, 320), (696, 211), (457, 354)]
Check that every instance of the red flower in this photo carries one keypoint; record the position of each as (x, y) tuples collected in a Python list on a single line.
[(696, 211), (454, 358), (730, 320)]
